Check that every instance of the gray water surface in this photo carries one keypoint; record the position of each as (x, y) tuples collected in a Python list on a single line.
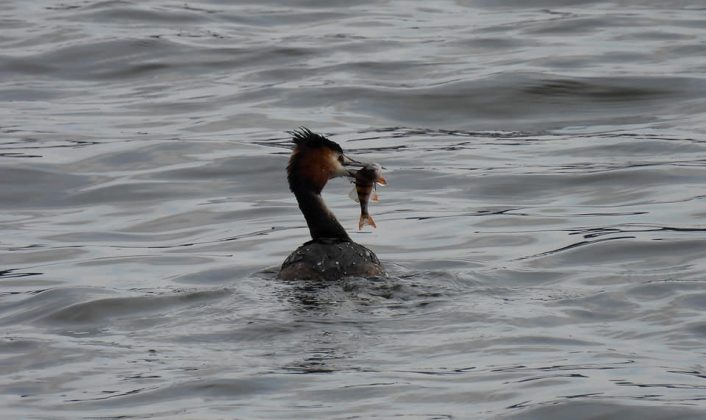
[(543, 226)]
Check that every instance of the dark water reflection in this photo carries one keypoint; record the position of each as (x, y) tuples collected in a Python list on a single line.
[(543, 226)]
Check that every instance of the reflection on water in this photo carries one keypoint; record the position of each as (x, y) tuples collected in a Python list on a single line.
[(542, 227)]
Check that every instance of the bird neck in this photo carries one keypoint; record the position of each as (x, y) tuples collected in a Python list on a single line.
[(322, 223)]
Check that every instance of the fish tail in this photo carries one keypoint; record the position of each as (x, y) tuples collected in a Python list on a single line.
[(366, 219)]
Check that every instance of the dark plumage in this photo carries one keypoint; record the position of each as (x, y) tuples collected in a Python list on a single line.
[(330, 261), (331, 253), (305, 137), (312, 161)]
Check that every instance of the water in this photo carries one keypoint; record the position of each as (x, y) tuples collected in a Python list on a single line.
[(543, 225)]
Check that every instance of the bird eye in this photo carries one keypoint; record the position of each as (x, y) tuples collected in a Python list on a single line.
[(340, 159)]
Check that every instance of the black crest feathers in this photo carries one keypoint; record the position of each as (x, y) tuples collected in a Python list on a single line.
[(305, 137)]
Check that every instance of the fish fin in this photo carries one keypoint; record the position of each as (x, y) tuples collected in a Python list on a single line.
[(374, 197), (354, 195), (366, 219), (381, 181)]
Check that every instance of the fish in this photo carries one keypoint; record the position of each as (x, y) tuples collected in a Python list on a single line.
[(365, 180)]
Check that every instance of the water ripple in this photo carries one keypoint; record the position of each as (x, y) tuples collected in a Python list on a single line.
[(542, 228)]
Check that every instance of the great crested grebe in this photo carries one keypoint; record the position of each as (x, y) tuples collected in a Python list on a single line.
[(331, 254)]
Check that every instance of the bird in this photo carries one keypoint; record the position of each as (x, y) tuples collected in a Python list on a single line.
[(330, 254)]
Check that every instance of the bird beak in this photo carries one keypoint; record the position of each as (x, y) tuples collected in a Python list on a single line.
[(351, 163), (348, 161)]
